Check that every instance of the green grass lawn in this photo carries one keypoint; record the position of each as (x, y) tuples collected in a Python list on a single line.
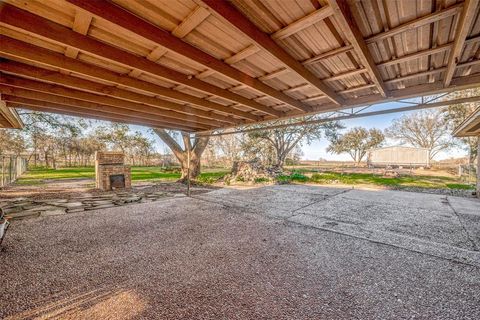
[(432, 182), (37, 175)]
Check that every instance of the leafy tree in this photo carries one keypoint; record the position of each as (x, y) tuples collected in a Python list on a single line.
[(282, 141), (424, 129), (190, 150), (455, 114), (356, 142)]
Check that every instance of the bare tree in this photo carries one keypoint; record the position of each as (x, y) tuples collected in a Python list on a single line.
[(283, 140), (423, 129), (195, 150), (356, 142)]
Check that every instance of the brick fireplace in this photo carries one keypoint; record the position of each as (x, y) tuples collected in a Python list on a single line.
[(110, 171)]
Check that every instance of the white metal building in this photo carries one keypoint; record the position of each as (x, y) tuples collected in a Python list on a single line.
[(399, 156)]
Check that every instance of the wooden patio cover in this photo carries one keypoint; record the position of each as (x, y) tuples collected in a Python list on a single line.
[(197, 65)]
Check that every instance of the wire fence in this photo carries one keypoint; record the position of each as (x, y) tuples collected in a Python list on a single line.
[(11, 167)]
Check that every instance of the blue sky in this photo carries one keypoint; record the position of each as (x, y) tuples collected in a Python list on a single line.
[(317, 149)]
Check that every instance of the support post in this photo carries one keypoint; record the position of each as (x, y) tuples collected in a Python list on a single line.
[(478, 167), (187, 147)]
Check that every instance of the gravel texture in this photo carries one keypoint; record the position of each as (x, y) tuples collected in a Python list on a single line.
[(279, 252)]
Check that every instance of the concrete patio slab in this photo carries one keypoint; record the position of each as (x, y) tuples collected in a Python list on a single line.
[(276, 252)]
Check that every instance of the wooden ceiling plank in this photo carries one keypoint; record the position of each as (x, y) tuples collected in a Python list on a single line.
[(131, 22), (302, 23), (82, 95), (463, 27), (233, 17), (412, 25), (15, 48), (344, 16), (194, 19), (40, 26), (21, 69)]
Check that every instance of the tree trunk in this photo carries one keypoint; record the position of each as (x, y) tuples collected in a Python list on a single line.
[(196, 150)]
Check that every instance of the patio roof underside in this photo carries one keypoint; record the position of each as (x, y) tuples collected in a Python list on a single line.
[(200, 65)]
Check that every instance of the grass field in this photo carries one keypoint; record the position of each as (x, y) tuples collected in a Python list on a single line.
[(39, 175)]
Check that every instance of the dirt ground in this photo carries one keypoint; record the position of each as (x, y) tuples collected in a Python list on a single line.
[(276, 252)]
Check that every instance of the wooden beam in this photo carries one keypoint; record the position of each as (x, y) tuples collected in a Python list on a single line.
[(274, 74), (463, 27), (328, 54), (233, 17), (194, 19), (81, 24), (12, 48), (245, 53), (114, 102), (40, 26), (346, 74), (344, 16), (79, 112), (102, 111), (9, 116), (415, 55), (15, 94), (131, 22), (24, 70), (296, 88), (302, 23), (414, 24)]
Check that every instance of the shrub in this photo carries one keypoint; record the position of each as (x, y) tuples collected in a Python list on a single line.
[(283, 179), (261, 180), (296, 176)]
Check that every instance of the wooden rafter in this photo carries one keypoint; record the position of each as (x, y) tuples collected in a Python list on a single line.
[(131, 22), (193, 20), (463, 26), (43, 106), (233, 17), (24, 70), (302, 23), (328, 54), (23, 96), (8, 116), (242, 55), (105, 100), (80, 24), (39, 26), (412, 25), (349, 26), (12, 48)]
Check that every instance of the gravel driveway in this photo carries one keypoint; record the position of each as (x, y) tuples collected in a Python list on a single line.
[(278, 252)]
